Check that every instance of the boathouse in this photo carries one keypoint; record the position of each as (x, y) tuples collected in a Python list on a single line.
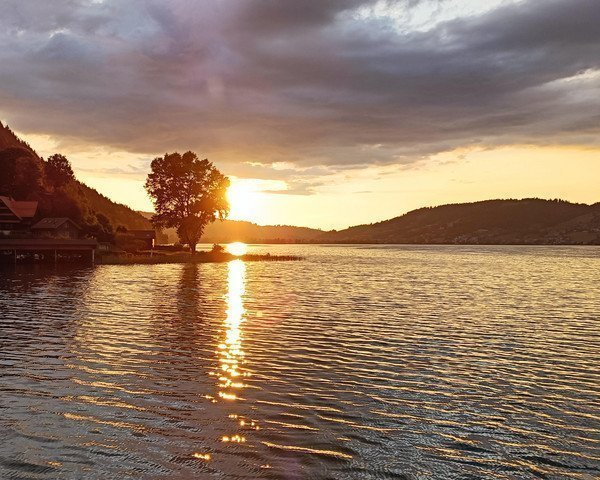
[(26, 250), (50, 239), (16, 216)]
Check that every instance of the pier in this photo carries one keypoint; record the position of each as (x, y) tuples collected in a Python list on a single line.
[(47, 250)]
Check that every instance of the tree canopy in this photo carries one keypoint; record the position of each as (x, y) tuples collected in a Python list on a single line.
[(58, 171), (188, 194), (20, 173)]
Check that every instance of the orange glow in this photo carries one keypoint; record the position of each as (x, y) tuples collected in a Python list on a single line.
[(243, 200)]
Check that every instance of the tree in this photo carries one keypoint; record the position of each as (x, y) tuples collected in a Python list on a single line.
[(58, 171), (188, 194), (20, 173), (99, 226)]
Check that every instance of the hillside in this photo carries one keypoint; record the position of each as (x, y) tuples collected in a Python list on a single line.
[(240, 231), (117, 213), (89, 201), (9, 140), (527, 221)]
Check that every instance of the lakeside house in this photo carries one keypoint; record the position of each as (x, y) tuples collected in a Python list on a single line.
[(26, 237), (16, 216), (56, 228), (53, 239)]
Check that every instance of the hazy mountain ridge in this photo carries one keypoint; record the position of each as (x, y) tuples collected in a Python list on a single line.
[(527, 221), (242, 231)]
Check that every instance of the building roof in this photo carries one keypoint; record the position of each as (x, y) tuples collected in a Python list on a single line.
[(52, 223), (22, 209)]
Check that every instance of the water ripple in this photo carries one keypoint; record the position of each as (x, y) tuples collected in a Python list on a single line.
[(357, 363)]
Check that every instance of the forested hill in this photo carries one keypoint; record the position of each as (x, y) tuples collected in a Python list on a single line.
[(527, 221), (117, 213), (9, 140), (22, 176)]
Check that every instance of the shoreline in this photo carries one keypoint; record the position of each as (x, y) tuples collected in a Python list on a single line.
[(199, 257)]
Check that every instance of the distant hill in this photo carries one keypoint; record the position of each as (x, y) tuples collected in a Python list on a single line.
[(91, 201), (527, 221), (239, 231)]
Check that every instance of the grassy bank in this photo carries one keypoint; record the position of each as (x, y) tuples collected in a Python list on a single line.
[(185, 257)]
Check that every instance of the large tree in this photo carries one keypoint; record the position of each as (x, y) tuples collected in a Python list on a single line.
[(188, 194), (58, 171), (20, 173)]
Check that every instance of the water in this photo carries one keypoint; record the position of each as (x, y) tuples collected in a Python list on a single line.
[(357, 363)]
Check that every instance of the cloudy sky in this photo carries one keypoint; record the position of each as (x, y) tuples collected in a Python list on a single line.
[(325, 113)]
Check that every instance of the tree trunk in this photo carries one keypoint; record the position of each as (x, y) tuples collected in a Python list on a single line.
[(193, 249)]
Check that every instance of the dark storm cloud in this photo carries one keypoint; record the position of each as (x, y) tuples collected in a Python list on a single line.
[(309, 82)]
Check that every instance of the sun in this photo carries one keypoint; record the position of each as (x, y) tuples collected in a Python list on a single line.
[(251, 199), (243, 199)]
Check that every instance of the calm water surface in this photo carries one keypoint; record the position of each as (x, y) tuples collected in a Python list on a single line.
[(357, 363)]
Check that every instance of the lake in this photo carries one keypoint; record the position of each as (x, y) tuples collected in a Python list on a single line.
[(397, 362)]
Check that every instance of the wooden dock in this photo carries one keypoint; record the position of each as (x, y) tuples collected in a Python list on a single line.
[(47, 249)]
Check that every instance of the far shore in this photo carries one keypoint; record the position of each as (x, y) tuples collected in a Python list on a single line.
[(186, 257)]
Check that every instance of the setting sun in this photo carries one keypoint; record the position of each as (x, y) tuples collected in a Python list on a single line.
[(243, 200), (249, 198)]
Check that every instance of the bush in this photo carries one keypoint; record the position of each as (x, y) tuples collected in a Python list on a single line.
[(216, 248), (129, 243)]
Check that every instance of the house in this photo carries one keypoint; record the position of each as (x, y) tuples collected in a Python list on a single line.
[(56, 228), (16, 216), (146, 236)]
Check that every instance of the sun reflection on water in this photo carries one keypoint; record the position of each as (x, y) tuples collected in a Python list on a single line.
[(231, 373), (237, 248), (230, 350)]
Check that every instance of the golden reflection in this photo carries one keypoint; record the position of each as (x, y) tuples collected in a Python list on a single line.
[(231, 373), (202, 456), (230, 350), (237, 248)]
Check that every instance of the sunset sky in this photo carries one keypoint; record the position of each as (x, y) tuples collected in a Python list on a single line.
[(324, 113)]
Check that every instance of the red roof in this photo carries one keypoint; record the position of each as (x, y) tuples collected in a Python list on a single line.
[(19, 208)]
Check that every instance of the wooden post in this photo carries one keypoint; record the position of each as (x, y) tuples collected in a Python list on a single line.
[(55, 257), (93, 256)]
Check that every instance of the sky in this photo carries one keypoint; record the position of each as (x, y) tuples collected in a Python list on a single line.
[(323, 113)]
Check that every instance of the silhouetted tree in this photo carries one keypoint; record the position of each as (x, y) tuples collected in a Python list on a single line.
[(20, 173), (188, 194), (99, 227), (58, 171)]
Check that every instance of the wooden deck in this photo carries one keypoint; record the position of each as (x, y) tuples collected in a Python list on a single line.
[(47, 249)]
